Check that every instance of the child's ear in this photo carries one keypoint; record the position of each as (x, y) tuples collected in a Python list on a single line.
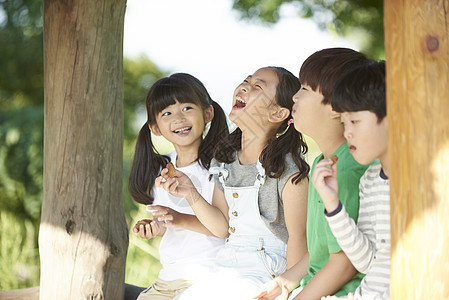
[(155, 129), (208, 114), (334, 114), (278, 114)]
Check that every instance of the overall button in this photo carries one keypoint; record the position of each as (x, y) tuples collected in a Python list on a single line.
[(232, 229), (234, 213), (235, 195)]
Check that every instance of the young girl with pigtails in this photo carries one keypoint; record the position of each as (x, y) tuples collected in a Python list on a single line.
[(178, 108), (260, 197)]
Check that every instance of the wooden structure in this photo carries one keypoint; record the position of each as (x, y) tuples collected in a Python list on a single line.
[(31, 293), (417, 55), (83, 237)]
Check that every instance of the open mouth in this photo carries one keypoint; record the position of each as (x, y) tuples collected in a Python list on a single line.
[(352, 148), (239, 103), (183, 130)]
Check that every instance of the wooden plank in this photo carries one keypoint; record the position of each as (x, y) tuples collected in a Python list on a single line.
[(417, 55), (22, 294)]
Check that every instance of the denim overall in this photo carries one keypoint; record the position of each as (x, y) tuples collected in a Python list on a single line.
[(252, 254), (252, 249)]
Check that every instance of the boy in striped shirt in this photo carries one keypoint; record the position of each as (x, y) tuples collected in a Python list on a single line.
[(360, 98)]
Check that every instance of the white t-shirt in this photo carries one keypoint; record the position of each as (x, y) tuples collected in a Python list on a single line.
[(185, 254)]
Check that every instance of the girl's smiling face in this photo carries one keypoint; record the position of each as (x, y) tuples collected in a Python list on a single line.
[(253, 97), (182, 124)]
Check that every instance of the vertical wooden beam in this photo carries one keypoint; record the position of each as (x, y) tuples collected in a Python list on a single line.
[(83, 236), (417, 55)]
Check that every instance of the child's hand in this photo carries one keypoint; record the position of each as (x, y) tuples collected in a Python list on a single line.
[(178, 186), (170, 217), (325, 181), (274, 289), (150, 230)]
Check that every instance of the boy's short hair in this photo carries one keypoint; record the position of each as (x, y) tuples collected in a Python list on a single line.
[(362, 89), (324, 68)]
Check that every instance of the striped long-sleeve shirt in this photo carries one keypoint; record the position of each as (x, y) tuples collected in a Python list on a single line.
[(367, 244)]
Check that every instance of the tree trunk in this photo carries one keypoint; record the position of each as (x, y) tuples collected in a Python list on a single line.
[(83, 236), (417, 55)]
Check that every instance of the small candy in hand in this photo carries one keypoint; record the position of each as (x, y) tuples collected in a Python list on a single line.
[(142, 222), (171, 170), (334, 159)]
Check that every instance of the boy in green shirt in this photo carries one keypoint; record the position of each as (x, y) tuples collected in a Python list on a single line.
[(325, 270)]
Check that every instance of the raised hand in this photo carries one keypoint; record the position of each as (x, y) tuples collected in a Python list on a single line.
[(179, 186), (324, 179)]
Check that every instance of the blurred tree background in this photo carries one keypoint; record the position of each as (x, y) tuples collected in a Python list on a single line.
[(360, 20), (21, 121)]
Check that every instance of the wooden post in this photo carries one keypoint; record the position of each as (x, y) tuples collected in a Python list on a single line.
[(83, 236), (417, 56)]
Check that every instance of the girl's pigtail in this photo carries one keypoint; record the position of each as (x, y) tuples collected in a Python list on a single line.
[(273, 156), (218, 131), (145, 168)]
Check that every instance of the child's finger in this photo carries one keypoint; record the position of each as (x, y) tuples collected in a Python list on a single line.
[(334, 167), (173, 184), (324, 162), (320, 174), (155, 228), (159, 181), (163, 218), (142, 231), (150, 232), (160, 212)]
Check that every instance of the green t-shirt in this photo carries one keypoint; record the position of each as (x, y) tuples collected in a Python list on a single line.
[(320, 240)]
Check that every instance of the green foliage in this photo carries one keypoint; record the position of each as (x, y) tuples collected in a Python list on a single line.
[(21, 163), (19, 265), (360, 20), (138, 75), (21, 53)]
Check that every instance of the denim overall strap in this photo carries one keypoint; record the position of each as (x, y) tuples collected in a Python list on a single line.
[(221, 172), (260, 177)]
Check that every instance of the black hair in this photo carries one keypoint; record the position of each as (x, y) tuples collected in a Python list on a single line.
[(288, 141), (147, 162), (362, 89), (324, 68)]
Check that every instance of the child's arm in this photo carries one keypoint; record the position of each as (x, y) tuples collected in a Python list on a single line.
[(329, 279), (355, 244), (213, 217), (172, 218), (294, 197)]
